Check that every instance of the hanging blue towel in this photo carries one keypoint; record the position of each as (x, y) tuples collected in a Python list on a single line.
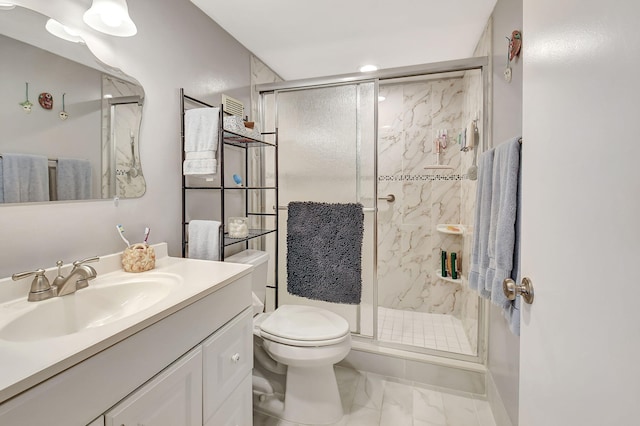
[(496, 243), (324, 251), (504, 209), (479, 251), (73, 180), (26, 178)]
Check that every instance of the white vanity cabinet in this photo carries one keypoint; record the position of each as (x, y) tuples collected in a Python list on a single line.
[(197, 385), (190, 367)]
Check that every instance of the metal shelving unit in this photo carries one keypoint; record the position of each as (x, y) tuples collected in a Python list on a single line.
[(229, 138)]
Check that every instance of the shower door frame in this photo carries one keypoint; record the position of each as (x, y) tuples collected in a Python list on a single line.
[(481, 63)]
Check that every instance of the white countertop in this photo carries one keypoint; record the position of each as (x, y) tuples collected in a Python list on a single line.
[(26, 364)]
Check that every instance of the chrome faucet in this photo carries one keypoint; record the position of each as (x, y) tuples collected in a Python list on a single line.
[(78, 278)]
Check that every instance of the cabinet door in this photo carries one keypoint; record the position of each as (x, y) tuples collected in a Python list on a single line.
[(173, 398), (228, 358), (237, 409)]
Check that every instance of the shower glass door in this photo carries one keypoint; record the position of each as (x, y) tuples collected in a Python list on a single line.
[(326, 151)]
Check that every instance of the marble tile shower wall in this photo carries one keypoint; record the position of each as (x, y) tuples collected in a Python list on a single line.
[(409, 245)]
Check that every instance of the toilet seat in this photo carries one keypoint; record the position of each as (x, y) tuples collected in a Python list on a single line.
[(297, 325)]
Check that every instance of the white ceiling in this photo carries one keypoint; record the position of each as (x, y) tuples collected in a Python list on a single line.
[(304, 39)]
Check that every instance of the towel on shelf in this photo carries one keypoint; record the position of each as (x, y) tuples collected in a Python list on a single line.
[(479, 254), (324, 251), (204, 239), (26, 178), (73, 181), (201, 141)]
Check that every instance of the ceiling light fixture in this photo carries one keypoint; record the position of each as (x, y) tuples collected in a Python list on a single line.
[(110, 17), (368, 68), (63, 32), (6, 5), (381, 98)]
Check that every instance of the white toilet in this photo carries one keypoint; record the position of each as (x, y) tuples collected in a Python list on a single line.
[(299, 343)]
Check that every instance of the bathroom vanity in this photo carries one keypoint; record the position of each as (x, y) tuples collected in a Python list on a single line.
[(171, 346)]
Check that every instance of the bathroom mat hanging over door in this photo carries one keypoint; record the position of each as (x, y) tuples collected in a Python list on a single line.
[(324, 251)]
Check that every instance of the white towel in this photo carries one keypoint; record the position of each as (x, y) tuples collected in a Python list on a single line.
[(201, 141), (204, 238), (73, 180), (26, 178)]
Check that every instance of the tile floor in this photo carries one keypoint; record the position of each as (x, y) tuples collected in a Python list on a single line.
[(373, 400), (433, 331)]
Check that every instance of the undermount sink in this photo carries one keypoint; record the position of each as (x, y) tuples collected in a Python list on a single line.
[(89, 308)]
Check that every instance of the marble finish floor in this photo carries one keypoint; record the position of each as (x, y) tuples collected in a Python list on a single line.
[(432, 331), (372, 400)]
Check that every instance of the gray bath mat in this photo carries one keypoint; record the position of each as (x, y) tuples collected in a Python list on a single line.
[(324, 251)]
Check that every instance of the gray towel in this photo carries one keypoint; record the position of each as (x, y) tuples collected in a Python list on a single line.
[(73, 180), (479, 252), (26, 178), (324, 251)]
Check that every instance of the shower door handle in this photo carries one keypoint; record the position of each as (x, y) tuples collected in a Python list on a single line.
[(389, 198)]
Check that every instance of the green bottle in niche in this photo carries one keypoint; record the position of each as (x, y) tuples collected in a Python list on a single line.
[(454, 272), (443, 262)]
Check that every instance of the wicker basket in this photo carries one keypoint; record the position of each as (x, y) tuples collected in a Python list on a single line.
[(138, 258)]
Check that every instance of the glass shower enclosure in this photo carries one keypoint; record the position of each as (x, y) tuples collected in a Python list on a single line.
[(398, 143)]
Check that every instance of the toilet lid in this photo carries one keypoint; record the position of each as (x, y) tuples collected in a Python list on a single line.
[(304, 324)]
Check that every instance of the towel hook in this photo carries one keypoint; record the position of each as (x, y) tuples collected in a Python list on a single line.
[(511, 289)]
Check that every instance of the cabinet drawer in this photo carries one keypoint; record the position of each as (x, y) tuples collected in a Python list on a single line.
[(227, 359), (237, 409), (173, 398)]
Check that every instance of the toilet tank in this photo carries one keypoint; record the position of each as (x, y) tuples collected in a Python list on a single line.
[(259, 259)]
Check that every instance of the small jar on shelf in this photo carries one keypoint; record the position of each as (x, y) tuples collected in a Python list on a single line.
[(238, 227)]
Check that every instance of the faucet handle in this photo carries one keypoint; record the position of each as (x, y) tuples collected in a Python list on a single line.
[(40, 288), (87, 260)]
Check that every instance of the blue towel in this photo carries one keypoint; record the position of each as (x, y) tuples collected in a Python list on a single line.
[(324, 251), (479, 252), (504, 209), (73, 181), (26, 178), (496, 243)]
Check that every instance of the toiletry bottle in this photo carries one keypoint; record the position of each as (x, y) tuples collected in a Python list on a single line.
[(443, 263), (454, 272)]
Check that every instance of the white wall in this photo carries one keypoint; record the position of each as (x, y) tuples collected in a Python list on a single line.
[(504, 347), (176, 46)]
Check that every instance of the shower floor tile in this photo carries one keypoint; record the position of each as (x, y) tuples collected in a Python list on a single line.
[(423, 330), (372, 400)]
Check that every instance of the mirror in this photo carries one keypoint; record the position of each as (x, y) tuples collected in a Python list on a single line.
[(81, 109)]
